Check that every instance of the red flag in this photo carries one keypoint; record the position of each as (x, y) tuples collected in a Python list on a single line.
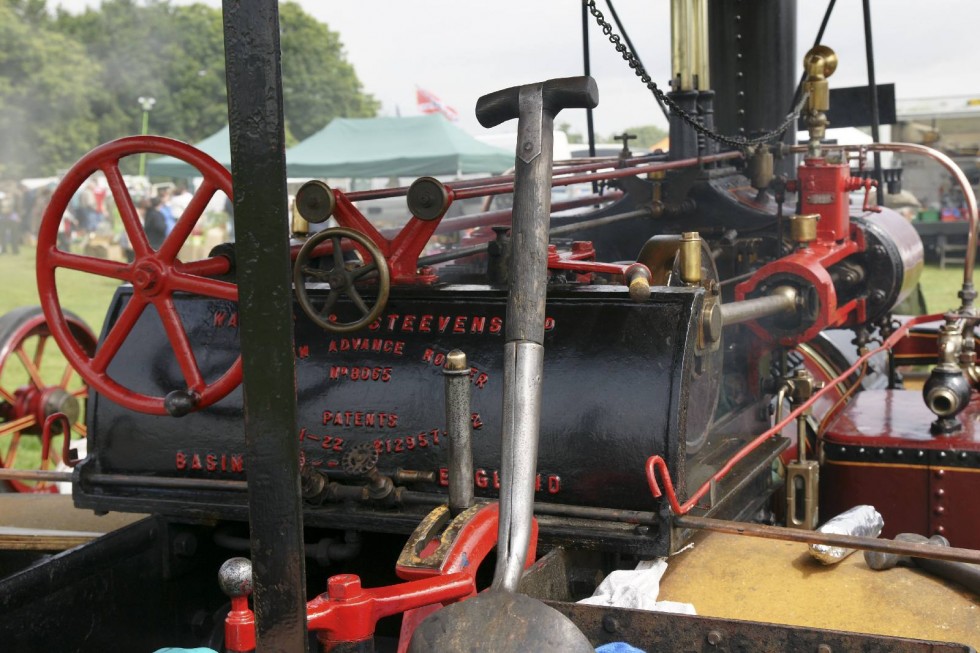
[(429, 103)]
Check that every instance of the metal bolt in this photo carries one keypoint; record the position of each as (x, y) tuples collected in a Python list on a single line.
[(344, 586), (641, 529), (824, 648), (715, 638), (610, 624)]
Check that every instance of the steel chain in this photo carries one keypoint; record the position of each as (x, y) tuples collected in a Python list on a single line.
[(737, 142)]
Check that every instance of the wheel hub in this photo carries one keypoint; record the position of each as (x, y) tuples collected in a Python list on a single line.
[(148, 278), (338, 279), (58, 400)]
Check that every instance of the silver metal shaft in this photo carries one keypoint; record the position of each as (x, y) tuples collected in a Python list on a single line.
[(457, 374)]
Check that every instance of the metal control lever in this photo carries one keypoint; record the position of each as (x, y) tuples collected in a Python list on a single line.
[(535, 107), (508, 621)]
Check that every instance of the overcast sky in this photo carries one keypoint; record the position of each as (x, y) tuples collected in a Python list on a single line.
[(462, 49)]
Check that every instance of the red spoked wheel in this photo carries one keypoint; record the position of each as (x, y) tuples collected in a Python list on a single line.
[(156, 275), (36, 382)]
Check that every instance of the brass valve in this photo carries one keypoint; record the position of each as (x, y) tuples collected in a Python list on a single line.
[(819, 64)]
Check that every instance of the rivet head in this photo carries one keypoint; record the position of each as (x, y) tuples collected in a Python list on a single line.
[(939, 530), (881, 452), (963, 455), (940, 473), (942, 454), (940, 492), (715, 638), (939, 510), (899, 453)]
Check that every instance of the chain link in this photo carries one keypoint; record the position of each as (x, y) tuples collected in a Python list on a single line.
[(736, 142)]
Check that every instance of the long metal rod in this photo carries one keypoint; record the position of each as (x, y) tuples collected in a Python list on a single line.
[(587, 70), (463, 252), (869, 52), (968, 195), (815, 537)]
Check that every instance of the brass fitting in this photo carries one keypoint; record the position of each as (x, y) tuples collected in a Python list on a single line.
[(819, 64), (803, 228), (690, 257)]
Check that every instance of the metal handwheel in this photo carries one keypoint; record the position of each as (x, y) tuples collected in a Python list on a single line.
[(342, 277)]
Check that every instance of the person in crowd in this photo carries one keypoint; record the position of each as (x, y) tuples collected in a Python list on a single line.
[(155, 223), (180, 199), (164, 207)]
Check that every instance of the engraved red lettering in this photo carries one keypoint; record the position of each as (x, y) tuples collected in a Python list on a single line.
[(459, 325), (477, 422), (219, 318), (237, 463), (383, 345), (496, 324), (399, 348), (369, 419), (443, 323), (211, 461), (392, 420), (358, 418), (537, 483), (425, 324), (480, 478), (478, 324), (549, 323), (443, 476), (554, 484), (481, 380), (233, 322), (344, 344), (496, 480), (303, 351), (427, 355), (327, 415), (439, 359), (392, 320), (338, 419), (408, 323), (195, 462), (181, 460), (332, 347), (375, 325)]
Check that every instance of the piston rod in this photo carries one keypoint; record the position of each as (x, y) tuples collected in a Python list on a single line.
[(780, 300)]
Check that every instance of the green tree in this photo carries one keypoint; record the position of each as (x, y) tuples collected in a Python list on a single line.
[(646, 135), (319, 84), (47, 83), (573, 137)]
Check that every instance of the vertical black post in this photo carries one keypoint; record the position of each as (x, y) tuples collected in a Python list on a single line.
[(870, 54), (587, 72), (255, 116)]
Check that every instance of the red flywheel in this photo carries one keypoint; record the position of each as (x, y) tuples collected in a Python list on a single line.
[(154, 274)]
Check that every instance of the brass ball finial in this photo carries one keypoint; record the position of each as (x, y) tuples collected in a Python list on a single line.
[(822, 56)]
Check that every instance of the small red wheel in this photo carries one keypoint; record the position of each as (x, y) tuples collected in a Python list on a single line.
[(154, 274), (35, 383)]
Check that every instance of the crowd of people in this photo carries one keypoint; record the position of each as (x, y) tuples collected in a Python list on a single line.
[(91, 212)]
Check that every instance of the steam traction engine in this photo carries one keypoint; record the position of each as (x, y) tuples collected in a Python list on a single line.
[(674, 344)]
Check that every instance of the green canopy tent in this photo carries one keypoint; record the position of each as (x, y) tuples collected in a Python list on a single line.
[(393, 147), (218, 145)]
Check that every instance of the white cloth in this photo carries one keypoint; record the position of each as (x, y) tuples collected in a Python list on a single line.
[(637, 588)]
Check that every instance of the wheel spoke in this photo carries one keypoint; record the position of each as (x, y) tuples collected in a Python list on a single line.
[(90, 264), (208, 267), (118, 334), (332, 297), (127, 210), (185, 223), (80, 429), (31, 368), (39, 350), (181, 345), (6, 396), (316, 273), (358, 301), (8, 460), (66, 376), (357, 273), (18, 425), (204, 286), (81, 392), (338, 253)]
